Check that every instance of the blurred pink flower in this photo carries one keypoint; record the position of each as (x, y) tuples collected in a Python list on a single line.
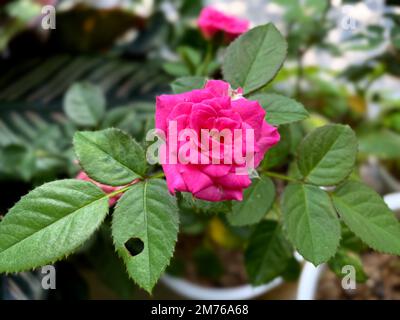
[(212, 21)]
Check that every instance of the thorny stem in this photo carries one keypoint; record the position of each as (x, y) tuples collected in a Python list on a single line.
[(126, 188), (117, 192)]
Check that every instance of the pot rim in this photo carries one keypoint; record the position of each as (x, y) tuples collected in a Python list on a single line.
[(195, 291)]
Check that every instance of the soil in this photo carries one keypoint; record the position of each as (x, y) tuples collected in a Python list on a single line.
[(383, 282), (233, 272)]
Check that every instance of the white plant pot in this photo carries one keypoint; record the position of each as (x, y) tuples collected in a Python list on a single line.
[(310, 275), (191, 290)]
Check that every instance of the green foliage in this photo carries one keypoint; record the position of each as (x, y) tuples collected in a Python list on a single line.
[(327, 155), (55, 219), (344, 258), (147, 212), (253, 59), (32, 148), (50, 223), (110, 156), (291, 135), (185, 84), (268, 253), (280, 109), (257, 201), (367, 215), (311, 222), (188, 202), (372, 144), (85, 104), (124, 118)]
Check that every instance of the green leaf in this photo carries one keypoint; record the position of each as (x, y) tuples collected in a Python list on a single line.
[(147, 212), (253, 59), (110, 156), (124, 118), (85, 104), (328, 154), (176, 69), (17, 161), (267, 254), (188, 202), (257, 200), (311, 222), (185, 84), (367, 215), (50, 223), (280, 109), (350, 241), (292, 271), (344, 258), (277, 156)]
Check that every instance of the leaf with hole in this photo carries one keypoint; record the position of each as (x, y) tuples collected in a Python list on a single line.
[(50, 223), (311, 222), (110, 156), (144, 229)]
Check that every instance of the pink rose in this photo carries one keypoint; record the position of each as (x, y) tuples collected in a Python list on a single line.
[(107, 189), (218, 107), (212, 21)]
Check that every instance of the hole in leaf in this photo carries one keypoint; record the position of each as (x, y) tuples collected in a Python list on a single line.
[(134, 246)]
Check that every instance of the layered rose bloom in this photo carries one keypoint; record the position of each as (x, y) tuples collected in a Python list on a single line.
[(217, 107), (212, 21)]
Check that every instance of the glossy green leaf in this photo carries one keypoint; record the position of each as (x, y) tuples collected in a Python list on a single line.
[(149, 214), (367, 215), (311, 222), (253, 59), (268, 253), (185, 84), (344, 258), (280, 109), (110, 156), (50, 223), (257, 200), (328, 154)]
